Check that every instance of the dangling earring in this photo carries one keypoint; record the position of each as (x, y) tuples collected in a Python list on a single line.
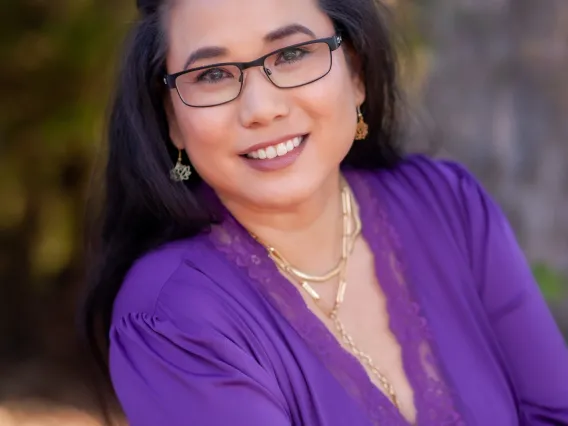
[(362, 127), (180, 172)]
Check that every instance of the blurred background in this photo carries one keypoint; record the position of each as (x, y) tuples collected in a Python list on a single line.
[(486, 83)]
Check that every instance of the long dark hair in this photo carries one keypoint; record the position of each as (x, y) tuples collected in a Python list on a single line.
[(142, 208)]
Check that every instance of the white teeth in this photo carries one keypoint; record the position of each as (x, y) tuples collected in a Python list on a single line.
[(270, 152), (278, 150), (281, 149)]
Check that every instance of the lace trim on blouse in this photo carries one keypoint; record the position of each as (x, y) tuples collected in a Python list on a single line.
[(432, 397)]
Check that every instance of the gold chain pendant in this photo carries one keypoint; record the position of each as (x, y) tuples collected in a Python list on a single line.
[(351, 230)]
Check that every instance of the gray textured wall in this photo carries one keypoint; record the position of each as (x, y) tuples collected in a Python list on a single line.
[(497, 95)]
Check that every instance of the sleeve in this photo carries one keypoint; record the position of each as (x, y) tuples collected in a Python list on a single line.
[(165, 376), (530, 341)]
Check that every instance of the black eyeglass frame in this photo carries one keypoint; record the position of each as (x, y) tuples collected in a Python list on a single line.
[(333, 42)]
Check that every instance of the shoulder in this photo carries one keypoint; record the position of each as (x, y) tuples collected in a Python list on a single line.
[(423, 174), (437, 198), (442, 197), (187, 288), (441, 186), (419, 183), (169, 271)]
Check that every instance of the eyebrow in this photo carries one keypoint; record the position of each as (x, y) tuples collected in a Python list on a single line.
[(211, 52), (287, 31)]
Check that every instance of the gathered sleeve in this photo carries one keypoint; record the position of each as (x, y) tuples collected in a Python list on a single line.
[(533, 348), (196, 376)]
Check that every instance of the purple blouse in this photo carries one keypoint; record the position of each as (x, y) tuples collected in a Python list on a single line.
[(207, 332)]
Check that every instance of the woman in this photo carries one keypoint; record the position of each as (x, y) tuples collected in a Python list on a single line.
[(270, 257)]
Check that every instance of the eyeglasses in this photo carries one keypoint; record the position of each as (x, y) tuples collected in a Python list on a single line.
[(286, 68)]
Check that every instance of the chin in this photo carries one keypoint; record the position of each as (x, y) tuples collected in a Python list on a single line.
[(280, 199), (284, 194)]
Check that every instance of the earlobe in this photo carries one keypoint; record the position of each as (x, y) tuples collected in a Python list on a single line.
[(359, 90), (175, 134)]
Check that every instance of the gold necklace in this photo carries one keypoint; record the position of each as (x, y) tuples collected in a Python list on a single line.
[(351, 230)]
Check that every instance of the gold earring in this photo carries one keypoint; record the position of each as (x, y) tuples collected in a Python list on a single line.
[(362, 127), (181, 171)]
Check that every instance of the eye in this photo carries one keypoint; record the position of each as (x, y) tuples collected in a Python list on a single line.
[(213, 75), (291, 55)]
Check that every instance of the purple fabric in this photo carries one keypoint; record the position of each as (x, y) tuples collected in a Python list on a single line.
[(207, 332)]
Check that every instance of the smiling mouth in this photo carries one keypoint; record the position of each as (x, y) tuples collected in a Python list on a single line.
[(278, 150)]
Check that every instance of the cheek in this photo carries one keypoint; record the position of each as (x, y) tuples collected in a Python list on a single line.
[(332, 108), (206, 134), (332, 92)]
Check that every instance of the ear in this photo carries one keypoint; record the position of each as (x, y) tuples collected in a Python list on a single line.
[(359, 89), (175, 133), (357, 78)]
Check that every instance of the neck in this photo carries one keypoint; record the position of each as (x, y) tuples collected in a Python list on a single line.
[(307, 234)]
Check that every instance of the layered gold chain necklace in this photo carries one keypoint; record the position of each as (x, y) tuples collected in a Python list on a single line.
[(351, 230)]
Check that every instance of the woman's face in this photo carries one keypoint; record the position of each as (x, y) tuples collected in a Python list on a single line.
[(217, 139)]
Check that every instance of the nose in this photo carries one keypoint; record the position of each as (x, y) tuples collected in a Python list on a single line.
[(261, 102)]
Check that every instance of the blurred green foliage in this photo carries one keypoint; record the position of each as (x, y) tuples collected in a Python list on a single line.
[(58, 65), (552, 283)]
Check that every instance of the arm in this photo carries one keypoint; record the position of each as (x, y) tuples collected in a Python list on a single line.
[(534, 350), (165, 376)]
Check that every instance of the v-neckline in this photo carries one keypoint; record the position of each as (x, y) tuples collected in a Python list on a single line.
[(405, 321)]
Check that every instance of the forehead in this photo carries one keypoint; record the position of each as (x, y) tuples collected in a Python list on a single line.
[(238, 25)]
